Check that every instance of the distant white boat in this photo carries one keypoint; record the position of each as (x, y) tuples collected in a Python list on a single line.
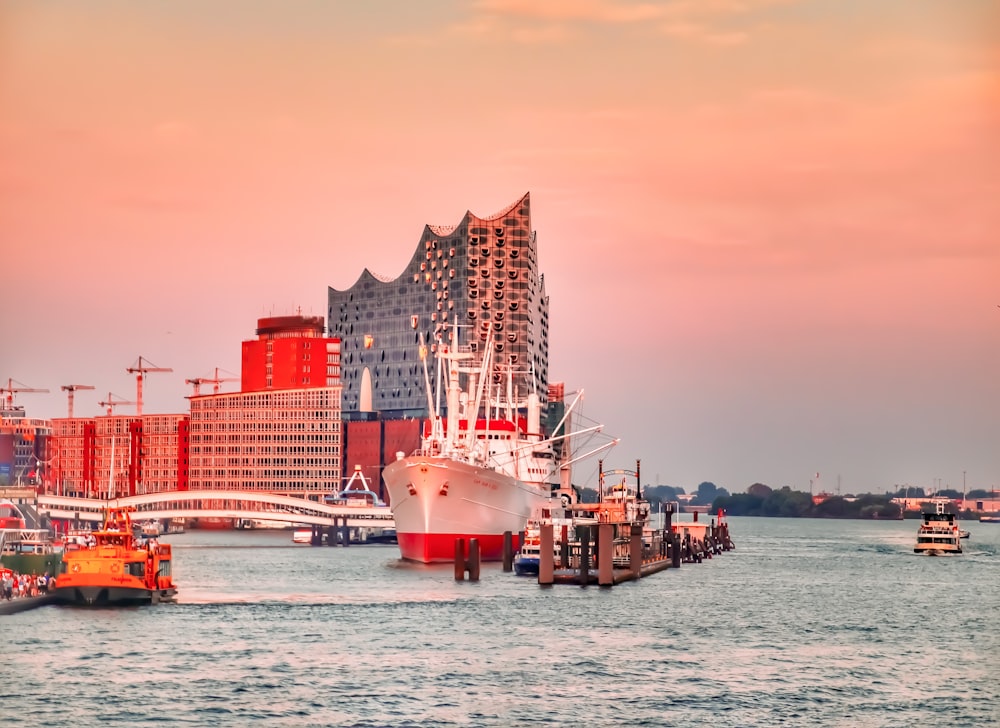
[(302, 535)]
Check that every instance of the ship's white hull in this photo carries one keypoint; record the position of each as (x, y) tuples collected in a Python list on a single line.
[(436, 500)]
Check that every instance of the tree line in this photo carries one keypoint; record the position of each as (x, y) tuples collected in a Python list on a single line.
[(762, 500)]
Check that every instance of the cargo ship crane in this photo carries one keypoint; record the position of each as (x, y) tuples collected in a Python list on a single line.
[(9, 391), (111, 403), (140, 374), (69, 389), (198, 381)]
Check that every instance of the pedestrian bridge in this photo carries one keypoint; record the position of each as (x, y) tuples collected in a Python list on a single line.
[(236, 504)]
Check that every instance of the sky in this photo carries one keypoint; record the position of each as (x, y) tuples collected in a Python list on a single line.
[(769, 229)]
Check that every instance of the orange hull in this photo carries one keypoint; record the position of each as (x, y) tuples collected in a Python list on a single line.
[(116, 570)]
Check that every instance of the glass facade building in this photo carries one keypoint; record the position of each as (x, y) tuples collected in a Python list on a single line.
[(481, 274)]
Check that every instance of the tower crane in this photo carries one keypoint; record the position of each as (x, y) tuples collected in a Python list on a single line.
[(69, 389), (9, 391), (111, 402), (198, 381), (140, 374)]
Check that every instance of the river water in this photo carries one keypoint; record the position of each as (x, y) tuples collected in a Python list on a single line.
[(808, 622)]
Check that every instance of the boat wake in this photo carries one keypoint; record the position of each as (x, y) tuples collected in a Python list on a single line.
[(298, 600)]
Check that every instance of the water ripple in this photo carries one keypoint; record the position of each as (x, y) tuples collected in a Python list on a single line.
[(808, 623)]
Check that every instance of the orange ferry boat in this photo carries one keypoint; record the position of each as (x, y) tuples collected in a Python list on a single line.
[(115, 568)]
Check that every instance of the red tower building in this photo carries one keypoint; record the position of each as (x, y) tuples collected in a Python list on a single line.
[(290, 352), (281, 432)]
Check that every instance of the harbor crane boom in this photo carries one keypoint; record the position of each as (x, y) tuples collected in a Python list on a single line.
[(69, 389), (9, 391), (140, 374), (198, 381), (111, 403)]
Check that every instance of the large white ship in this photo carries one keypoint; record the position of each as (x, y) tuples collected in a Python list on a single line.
[(480, 471)]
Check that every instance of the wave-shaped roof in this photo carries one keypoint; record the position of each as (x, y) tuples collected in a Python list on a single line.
[(449, 229)]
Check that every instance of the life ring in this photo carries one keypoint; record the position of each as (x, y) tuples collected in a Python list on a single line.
[(114, 568), (76, 568)]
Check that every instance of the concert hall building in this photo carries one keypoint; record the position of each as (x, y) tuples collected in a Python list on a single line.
[(481, 274)]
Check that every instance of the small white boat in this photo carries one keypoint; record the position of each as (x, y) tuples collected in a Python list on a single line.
[(302, 535), (938, 533)]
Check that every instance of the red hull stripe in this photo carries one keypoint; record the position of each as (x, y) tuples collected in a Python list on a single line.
[(440, 547)]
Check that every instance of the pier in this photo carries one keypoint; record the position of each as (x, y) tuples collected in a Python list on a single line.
[(603, 557), (612, 541), (607, 554)]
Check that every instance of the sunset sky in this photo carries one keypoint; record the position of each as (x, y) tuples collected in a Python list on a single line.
[(770, 229)]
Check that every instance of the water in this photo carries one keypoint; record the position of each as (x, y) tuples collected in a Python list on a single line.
[(808, 622)]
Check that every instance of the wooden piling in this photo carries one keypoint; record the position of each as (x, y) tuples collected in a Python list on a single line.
[(583, 533), (470, 564), (546, 569), (635, 550), (605, 554), (508, 551), (473, 562), (459, 559)]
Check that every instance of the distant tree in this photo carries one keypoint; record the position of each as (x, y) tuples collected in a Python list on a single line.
[(741, 504), (948, 493), (707, 493), (835, 507), (787, 503), (760, 490), (979, 493), (661, 493)]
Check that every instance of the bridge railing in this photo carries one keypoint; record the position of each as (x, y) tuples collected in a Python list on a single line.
[(224, 504)]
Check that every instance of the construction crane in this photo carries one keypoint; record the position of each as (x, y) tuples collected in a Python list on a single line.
[(140, 374), (69, 389), (111, 402), (198, 381), (9, 391)]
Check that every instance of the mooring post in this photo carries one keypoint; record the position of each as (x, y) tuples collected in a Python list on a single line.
[(459, 559), (584, 533), (508, 551), (546, 569), (564, 547), (675, 550), (346, 539), (473, 562), (605, 554), (635, 550)]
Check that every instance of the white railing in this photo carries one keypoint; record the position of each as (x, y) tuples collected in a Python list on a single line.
[(219, 504)]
